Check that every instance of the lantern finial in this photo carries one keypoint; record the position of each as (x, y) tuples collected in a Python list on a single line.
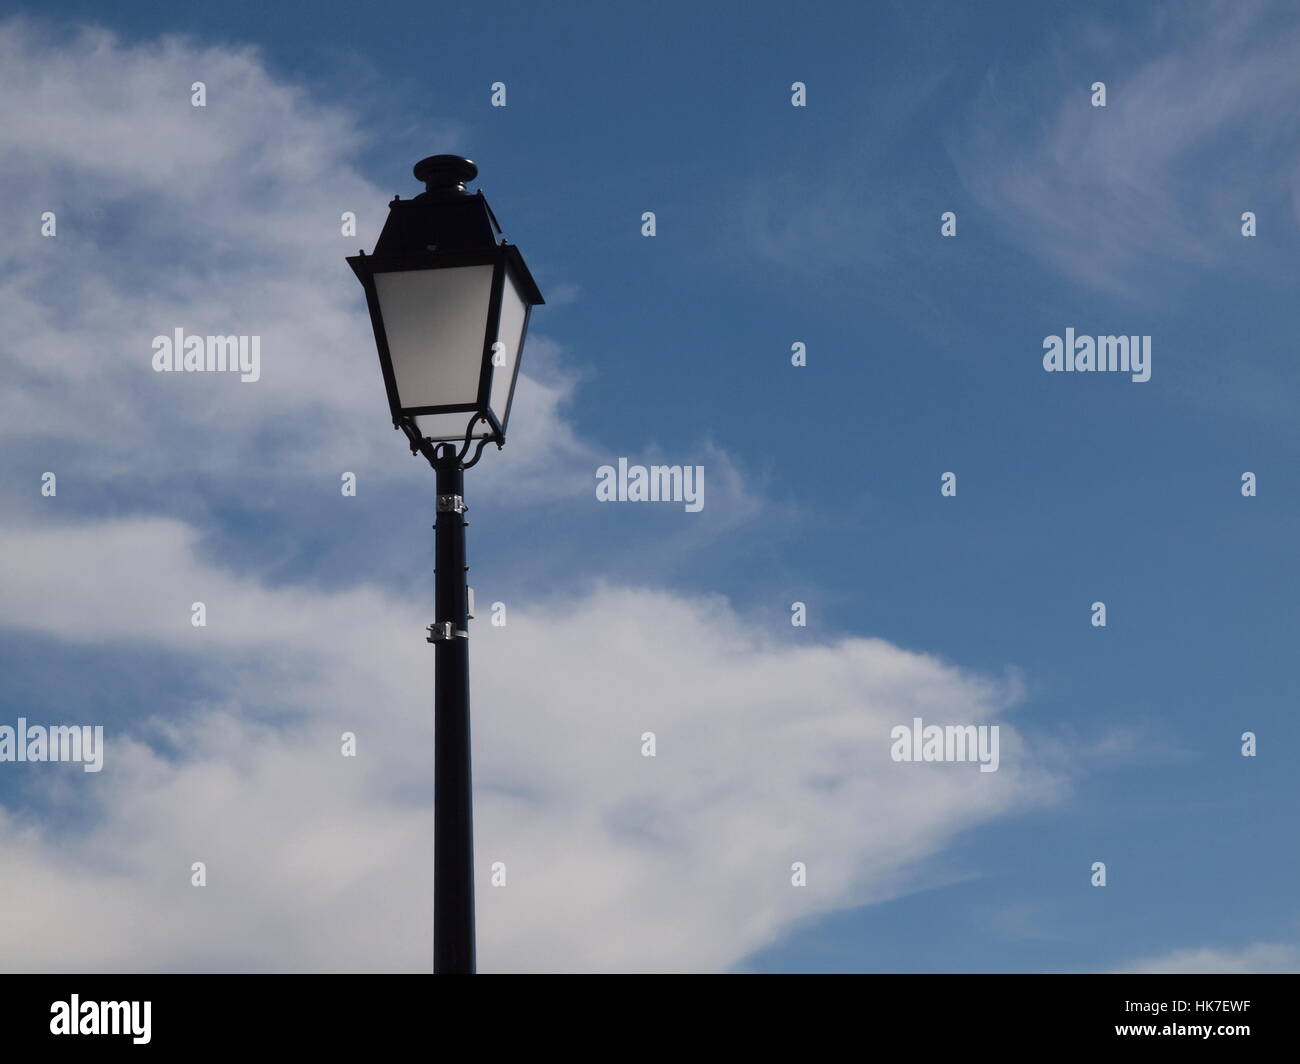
[(445, 174)]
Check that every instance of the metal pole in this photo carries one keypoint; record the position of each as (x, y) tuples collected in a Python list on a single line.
[(453, 797)]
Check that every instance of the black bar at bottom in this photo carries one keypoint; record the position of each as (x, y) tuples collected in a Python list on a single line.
[(913, 1014)]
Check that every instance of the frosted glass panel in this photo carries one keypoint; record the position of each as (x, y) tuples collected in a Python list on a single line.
[(513, 311), (435, 321)]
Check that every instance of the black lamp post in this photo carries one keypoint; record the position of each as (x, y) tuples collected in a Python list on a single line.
[(450, 307)]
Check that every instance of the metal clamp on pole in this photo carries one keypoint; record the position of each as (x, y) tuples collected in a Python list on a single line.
[(441, 631), (454, 504)]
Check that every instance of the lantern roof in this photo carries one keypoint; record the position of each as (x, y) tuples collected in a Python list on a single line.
[(444, 217)]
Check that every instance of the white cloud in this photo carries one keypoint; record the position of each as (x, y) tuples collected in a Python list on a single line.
[(219, 220), (769, 753)]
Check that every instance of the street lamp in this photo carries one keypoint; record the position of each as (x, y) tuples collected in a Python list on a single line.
[(450, 306)]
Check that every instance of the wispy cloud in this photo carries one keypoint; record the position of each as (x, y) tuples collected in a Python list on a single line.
[(1261, 958), (1197, 129)]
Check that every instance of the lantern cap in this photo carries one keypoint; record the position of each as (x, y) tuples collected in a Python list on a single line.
[(445, 174), (444, 217)]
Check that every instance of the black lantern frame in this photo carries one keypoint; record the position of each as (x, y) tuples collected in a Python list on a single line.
[(448, 228)]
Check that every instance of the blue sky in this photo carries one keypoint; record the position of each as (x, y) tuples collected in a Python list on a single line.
[(775, 224)]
